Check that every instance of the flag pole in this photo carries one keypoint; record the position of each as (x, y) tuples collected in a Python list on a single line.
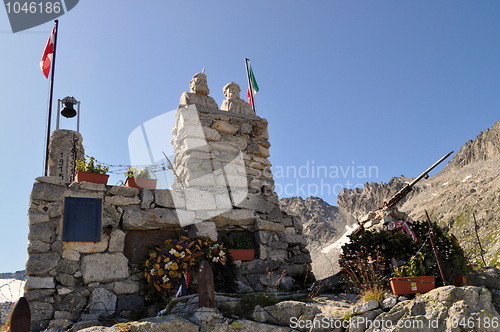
[(51, 94), (250, 86)]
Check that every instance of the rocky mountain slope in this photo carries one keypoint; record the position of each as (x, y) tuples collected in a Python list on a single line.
[(323, 225), (326, 227), (468, 186), (355, 203)]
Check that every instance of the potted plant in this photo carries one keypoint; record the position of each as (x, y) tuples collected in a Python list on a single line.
[(411, 278), (89, 171), (139, 178), (240, 247)]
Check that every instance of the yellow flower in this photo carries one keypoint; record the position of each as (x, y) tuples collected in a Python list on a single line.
[(179, 247), (174, 266), (157, 288), (161, 272), (167, 260)]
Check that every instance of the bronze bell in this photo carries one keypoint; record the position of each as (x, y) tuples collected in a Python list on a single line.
[(68, 111)]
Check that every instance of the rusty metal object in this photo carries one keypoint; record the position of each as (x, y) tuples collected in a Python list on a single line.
[(20, 316), (401, 194), (206, 292), (406, 189), (432, 235)]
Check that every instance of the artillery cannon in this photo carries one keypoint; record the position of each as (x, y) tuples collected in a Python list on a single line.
[(402, 193)]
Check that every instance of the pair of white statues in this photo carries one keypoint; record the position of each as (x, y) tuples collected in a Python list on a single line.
[(199, 91)]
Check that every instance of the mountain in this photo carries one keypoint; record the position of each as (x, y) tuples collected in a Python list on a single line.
[(355, 203), (467, 187), (485, 147), (323, 225), (19, 275)]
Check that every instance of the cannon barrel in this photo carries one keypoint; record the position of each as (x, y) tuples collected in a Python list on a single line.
[(406, 189)]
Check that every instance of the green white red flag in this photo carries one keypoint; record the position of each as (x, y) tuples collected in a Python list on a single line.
[(253, 87), (48, 54)]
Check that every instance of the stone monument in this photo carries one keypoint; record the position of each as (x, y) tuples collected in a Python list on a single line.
[(65, 148), (233, 102), (224, 187), (198, 94)]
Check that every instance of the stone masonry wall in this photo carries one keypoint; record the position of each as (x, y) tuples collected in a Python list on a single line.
[(75, 281), (224, 184)]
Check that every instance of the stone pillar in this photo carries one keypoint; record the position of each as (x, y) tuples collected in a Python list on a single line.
[(64, 148), (223, 152), (221, 164), (224, 178)]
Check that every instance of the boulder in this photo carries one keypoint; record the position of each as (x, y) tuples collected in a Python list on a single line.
[(448, 304), (94, 328), (203, 316), (161, 324), (328, 284), (488, 277), (282, 312), (245, 325), (364, 307)]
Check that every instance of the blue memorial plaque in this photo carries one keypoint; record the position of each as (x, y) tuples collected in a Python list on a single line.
[(82, 219)]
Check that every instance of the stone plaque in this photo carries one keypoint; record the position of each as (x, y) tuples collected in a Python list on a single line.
[(82, 219), (138, 243)]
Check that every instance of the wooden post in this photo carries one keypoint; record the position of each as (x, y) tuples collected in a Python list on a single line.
[(206, 293), (20, 316)]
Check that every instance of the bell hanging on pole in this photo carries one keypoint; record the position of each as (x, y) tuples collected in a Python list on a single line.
[(68, 111)]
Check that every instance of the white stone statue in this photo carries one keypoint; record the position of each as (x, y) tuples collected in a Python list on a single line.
[(233, 102), (198, 94)]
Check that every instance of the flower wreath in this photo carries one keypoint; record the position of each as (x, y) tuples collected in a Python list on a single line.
[(176, 259)]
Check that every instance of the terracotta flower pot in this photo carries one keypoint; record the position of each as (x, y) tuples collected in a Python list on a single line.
[(242, 254), (141, 183), (81, 176), (412, 285)]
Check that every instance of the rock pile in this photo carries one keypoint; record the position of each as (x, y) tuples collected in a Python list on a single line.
[(447, 308)]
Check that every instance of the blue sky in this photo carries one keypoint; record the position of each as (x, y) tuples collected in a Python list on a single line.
[(386, 86)]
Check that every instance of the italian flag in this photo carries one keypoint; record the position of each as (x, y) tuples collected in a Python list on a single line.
[(48, 54), (253, 87)]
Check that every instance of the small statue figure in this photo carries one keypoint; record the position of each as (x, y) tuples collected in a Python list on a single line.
[(198, 94), (233, 102)]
